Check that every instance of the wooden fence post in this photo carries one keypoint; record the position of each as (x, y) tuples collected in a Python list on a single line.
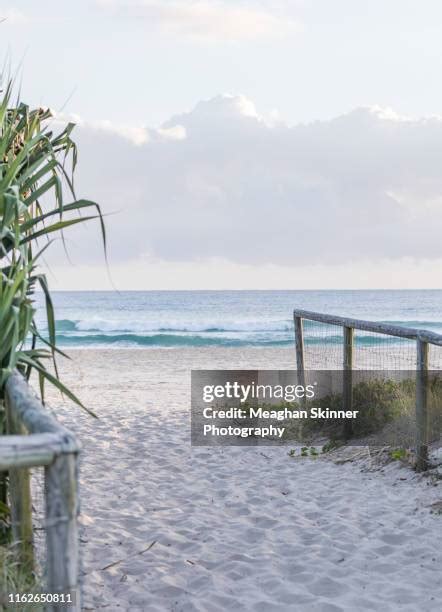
[(61, 494), (421, 406), (299, 343), (20, 500), (347, 390)]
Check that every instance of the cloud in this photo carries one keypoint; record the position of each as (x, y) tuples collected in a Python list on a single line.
[(205, 20), (12, 16), (364, 186), (135, 135)]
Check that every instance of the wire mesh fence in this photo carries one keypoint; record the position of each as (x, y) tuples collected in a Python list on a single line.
[(382, 351), (374, 351), (435, 357), (323, 345), (324, 349)]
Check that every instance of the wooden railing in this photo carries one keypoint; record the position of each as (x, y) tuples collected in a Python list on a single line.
[(422, 338), (35, 438)]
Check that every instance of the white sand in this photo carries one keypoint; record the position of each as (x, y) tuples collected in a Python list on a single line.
[(234, 528)]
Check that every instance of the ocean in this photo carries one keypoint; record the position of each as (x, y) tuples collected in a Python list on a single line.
[(173, 319)]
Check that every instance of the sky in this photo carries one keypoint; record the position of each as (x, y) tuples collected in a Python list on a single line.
[(247, 144)]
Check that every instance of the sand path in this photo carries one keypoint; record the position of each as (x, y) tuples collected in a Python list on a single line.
[(170, 527)]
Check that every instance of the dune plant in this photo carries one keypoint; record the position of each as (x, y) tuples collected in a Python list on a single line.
[(37, 166), (36, 171), (14, 580)]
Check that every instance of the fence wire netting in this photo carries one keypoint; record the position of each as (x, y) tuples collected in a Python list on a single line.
[(323, 346), (403, 402), (373, 351), (435, 357), (324, 349), (23, 555)]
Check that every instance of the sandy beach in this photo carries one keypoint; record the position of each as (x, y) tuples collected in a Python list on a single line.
[(252, 189), (167, 527)]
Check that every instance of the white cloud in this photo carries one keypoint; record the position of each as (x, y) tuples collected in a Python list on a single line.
[(135, 135), (206, 20), (12, 16), (363, 187), (387, 113), (177, 132)]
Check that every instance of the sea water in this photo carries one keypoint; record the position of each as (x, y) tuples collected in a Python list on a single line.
[(225, 318)]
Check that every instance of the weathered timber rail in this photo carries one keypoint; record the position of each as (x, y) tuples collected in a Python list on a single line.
[(35, 438), (422, 338)]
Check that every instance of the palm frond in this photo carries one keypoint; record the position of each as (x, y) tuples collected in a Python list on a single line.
[(34, 165)]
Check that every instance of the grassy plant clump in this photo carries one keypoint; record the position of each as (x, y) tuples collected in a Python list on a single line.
[(378, 402), (398, 454), (14, 580)]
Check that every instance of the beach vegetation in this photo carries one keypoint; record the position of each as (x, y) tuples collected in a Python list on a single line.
[(14, 580), (38, 204), (332, 445), (382, 405), (398, 454)]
